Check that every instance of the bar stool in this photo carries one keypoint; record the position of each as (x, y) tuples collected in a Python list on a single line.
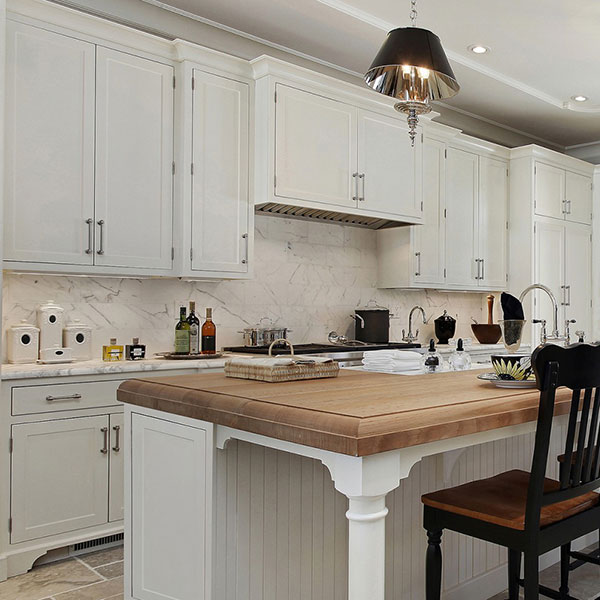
[(528, 513)]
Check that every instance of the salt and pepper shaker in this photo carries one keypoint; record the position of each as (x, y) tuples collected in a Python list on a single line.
[(432, 362), (460, 360)]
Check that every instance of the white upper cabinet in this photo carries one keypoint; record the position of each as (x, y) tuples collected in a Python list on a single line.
[(578, 197), (315, 148), (549, 191), (49, 147), (549, 267), (388, 167), (462, 270), (134, 157), (493, 222), (220, 224), (577, 294)]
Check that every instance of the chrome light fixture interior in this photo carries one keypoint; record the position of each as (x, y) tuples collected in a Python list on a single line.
[(412, 67)]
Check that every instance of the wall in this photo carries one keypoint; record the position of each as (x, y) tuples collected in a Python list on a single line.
[(308, 276)]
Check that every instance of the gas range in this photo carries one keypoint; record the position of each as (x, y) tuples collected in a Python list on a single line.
[(346, 354)]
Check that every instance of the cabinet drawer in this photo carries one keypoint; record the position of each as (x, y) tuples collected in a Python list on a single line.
[(64, 396)]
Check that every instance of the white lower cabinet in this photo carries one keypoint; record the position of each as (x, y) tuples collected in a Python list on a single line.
[(171, 496), (116, 503), (59, 476)]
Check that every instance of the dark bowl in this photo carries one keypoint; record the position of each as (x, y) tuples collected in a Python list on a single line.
[(487, 334)]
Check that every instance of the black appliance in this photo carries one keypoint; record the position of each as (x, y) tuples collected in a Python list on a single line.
[(372, 324)]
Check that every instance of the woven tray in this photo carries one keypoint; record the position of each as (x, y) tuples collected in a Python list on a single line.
[(280, 373)]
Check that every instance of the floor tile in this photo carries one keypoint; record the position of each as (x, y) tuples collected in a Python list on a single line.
[(102, 557), (47, 580), (97, 591), (111, 571)]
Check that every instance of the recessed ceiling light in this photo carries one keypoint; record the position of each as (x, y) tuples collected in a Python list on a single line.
[(579, 98), (478, 49)]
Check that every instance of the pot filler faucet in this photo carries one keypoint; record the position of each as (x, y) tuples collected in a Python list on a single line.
[(409, 337), (555, 335)]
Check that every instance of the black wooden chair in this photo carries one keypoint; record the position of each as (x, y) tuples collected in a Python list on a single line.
[(526, 512)]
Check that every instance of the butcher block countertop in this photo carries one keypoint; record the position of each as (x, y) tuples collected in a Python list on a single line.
[(356, 413)]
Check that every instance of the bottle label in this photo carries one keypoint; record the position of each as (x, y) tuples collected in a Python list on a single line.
[(182, 341), (209, 343), (194, 339)]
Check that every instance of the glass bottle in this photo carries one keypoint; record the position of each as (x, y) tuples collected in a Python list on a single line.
[(209, 334), (135, 350), (194, 323), (182, 334), (459, 359), (113, 352), (432, 362)]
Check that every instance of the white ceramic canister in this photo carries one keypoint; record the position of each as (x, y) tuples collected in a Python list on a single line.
[(78, 337), (50, 319), (23, 343)]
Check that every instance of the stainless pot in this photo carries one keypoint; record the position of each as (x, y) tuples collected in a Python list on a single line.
[(263, 334)]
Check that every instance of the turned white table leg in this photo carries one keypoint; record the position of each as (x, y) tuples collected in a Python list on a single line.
[(366, 548)]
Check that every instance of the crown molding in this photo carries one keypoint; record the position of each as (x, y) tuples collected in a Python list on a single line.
[(386, 26)]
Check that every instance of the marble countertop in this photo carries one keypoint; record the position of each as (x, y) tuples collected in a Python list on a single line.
[(97, 366)]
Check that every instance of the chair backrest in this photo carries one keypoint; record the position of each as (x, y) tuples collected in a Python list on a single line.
[(577, 368)]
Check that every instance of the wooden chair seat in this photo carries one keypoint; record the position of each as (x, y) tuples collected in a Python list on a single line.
[(502, 500), (562, 457)]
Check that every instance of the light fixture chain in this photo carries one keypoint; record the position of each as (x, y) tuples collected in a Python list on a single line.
[(413, 13)]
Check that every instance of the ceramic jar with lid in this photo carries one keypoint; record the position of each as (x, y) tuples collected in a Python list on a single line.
[(78, 337), (23, 343), (50, 318), (445, 327)]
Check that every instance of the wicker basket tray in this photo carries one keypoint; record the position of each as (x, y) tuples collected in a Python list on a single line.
[(276, 373)]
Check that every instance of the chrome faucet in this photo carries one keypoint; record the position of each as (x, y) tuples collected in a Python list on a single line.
[(409, 337), (555, 335)]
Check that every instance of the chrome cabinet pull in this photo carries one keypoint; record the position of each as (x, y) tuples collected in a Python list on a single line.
[(117, 430), (568, 289), (355, 176), (568, 205), (101, 224), (482, 263), (477, 277), (71, 397), (564, 298), (104, 450), (361, 177), (245, 238), (90, 224), (418, 272)]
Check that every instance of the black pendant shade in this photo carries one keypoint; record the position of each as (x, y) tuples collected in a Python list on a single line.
[(411, 47)]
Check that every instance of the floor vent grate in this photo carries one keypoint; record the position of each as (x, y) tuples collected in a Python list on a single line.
[(97, 544)]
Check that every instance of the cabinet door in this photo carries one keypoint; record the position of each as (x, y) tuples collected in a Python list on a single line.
[(315, 148), (168, 505), (461, 218), (579, 198), (115, 483), (578, 276), (134, 161), (428, 239), (50, 84), (549, 191), (388, 166), (493, 219), (549, 268), (219, 219), (59, 477)]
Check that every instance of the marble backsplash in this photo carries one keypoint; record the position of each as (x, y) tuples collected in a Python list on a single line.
[(308, 276)]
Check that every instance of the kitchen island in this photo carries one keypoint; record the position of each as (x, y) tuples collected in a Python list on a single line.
[(368, 429)]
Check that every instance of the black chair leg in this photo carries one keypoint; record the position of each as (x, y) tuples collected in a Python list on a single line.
[(514, 573), (433, 566), (565, 559), (532, 576)]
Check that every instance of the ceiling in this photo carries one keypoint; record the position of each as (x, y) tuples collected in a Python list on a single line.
[(542, 51)]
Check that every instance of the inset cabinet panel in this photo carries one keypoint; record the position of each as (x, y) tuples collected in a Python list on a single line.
[(387, 164), (461, 210), (168, 505), (549, 267), (549, 191), (134, 156), (116, 496), (219, 223), (578, 277), (59, 476), (579, 198), (493, 218), (315, 148), (49, 147)]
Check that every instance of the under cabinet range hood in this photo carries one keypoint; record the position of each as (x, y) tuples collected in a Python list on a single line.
[(329, 216)]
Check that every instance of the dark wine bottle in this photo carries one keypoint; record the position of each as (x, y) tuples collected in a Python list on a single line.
[(209, 334), (194, 324)]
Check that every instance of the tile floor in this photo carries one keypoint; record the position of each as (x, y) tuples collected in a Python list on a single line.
[(94, 576), (99, 576)]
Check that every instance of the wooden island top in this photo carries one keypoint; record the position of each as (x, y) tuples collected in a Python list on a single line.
[(357, 413)]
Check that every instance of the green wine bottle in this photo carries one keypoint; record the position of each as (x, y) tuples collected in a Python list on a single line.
[(182, 334)]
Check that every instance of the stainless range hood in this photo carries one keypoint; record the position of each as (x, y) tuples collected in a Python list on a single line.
[(329, 216)]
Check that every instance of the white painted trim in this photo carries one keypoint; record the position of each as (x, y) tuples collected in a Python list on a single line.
[(558, 159), (586, 145)]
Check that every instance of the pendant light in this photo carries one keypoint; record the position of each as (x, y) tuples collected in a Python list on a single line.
[(412, 67)]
